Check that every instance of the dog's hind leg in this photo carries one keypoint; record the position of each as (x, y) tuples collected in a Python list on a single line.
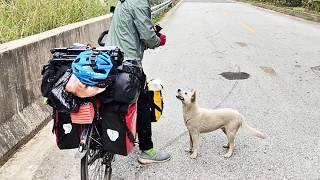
[(231, 134), (224, 131), (195, 144), (231, 143), (191, 144)]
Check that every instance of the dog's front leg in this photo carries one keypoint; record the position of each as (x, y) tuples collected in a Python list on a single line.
[(195, 144), (225, 132), (191, 144)]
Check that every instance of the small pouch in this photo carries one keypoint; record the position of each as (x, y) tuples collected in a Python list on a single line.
[(75, 87), (85, 114)]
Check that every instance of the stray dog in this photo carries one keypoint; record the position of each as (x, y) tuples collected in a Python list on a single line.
[(199, 120)]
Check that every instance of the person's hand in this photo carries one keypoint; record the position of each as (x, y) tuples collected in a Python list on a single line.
[(163, 39)]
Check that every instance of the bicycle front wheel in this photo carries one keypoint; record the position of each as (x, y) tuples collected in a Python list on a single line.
[(96, 164)]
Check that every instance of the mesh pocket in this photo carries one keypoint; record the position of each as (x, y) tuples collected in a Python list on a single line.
[(85, 114)]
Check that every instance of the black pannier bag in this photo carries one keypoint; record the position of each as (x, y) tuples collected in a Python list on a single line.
[(60, 62), (60, 98), (67, 133), (118, 125), (51, 73), (126, 86)]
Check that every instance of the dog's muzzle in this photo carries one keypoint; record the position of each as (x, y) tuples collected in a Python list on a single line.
[(180, 97)]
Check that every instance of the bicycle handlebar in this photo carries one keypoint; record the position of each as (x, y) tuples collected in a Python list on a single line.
[(102, 35)]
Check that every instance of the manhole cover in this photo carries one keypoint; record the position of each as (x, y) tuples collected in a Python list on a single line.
[(235, 75)]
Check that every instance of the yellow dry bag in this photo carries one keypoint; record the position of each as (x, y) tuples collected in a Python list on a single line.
[(156, 105)]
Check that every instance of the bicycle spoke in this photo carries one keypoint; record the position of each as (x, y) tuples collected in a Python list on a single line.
[(97, 163), (96, 167), (96, 141), (97, 172), (95, 127), (99, 137), (94, 174)]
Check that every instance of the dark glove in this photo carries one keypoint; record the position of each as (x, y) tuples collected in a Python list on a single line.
[(158, 28), (163, 39)]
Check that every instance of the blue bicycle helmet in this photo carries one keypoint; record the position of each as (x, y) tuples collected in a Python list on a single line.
[(92, 67)]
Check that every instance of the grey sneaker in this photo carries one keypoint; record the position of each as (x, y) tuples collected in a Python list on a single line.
[(160, 157)]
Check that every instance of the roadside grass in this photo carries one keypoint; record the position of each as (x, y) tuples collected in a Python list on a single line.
[(273, 5), (21, 18), (158, 16), (301, 12)]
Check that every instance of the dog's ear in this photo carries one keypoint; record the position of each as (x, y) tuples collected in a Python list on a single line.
[(193, 97)]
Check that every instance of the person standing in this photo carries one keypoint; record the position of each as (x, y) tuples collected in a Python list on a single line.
[(133, 32)]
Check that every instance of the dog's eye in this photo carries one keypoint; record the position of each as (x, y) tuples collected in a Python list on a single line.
[(185, 93)]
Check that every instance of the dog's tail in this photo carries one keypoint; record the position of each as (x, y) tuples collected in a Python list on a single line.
[(251, 130)]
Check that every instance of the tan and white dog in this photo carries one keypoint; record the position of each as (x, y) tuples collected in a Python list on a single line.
[(199, 120)]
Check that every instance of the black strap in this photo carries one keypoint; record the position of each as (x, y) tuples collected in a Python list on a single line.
[(130, 136), (93, 60), (154, 104), (132, 69), (54, 116), (129, 133), (157, 107)]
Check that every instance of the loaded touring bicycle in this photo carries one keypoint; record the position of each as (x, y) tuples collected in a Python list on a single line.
[(93, 94)]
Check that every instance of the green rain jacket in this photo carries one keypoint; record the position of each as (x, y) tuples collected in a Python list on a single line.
[(132, 30)]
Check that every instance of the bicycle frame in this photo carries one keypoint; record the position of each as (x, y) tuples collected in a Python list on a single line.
[(90, 143)]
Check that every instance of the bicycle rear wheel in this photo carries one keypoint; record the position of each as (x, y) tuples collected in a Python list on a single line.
[(96, 164)]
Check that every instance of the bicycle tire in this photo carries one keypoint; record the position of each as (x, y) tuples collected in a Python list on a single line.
[(108, 170), (101, 170)]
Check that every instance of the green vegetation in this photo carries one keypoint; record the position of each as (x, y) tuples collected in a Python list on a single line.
[(158, 17), (312, 5), (156, 2), (21, 18), (305, 5)]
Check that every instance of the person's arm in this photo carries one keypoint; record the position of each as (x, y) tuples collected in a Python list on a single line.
[(143, 23)]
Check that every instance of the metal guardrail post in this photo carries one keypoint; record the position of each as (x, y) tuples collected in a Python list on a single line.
[(156, 9)]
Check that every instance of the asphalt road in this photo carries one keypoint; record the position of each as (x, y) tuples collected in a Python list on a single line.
[(280, 98)]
